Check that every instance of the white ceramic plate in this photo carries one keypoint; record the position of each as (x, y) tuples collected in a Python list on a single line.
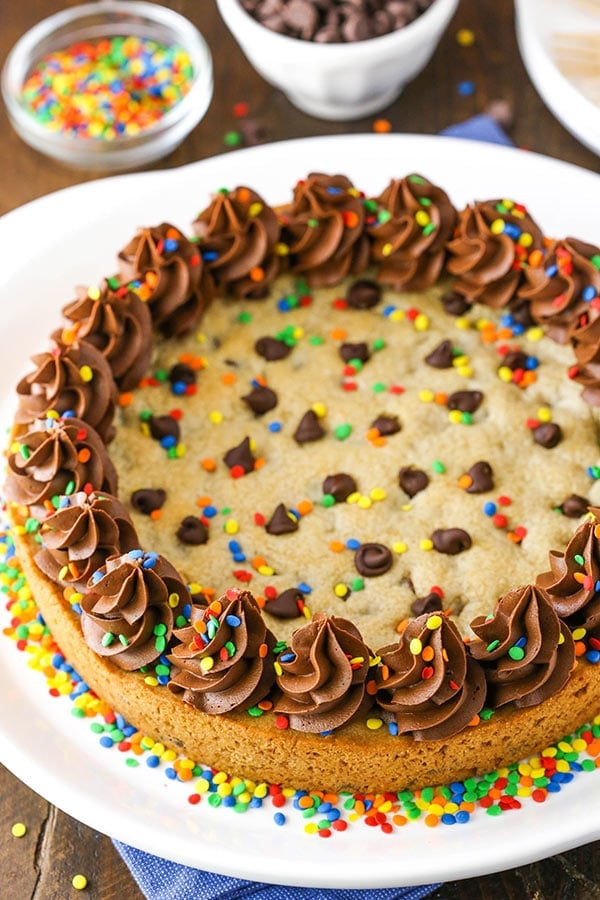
[(72, 237), (537, 22)]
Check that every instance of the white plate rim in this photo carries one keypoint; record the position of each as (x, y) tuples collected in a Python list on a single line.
[(127, 805)]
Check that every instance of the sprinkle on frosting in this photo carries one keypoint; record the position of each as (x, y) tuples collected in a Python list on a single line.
[(323, 675), (427, 682), (130, 608), (221, 662)]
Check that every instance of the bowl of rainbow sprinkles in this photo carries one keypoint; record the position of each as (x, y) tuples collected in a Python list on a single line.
[(108, 86)]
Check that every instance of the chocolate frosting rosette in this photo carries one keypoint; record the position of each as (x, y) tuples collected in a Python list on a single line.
[(562, 286), (56, 457), (78, 538), (69, 378), (409, 225), (322, 229), (526, 651), (572, 584), (426, 681), (118, 324), (585, 341), (224, 659), (490, 249), (128, 613), (238, 235), (323, 675), (166, 270)]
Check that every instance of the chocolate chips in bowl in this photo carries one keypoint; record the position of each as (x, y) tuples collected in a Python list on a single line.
[(335, 21), (338, 59)]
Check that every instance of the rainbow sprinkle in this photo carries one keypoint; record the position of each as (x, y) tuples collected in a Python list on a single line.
[(322, 813), (116, 87)]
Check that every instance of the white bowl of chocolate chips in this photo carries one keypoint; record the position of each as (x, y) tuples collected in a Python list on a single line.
[(338, 59)]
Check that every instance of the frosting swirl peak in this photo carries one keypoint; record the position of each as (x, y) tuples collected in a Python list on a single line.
[(571, 585), (129, 610), (238, 235), (427, 682), (223, 661), (116, 322), (81, 534), (57, 457), (526, 652), (322, 229), (73, 378), (324, 675), (562, 286), (490, 249), (409, 225), (165, 269)]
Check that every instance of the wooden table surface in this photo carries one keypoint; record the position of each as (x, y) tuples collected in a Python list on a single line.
[(56, 847)]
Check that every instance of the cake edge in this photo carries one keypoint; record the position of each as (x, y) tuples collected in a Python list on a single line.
[(355, 758)]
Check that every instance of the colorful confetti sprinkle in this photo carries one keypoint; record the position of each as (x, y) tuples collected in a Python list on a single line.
[(116, 87)]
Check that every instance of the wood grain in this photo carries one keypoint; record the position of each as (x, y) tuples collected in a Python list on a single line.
[(40, 865)]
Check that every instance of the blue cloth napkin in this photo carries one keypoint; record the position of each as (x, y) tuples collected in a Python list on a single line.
[(479, 128), (159, 879)]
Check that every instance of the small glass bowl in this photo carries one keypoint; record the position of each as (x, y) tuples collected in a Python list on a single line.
[(92, 22)]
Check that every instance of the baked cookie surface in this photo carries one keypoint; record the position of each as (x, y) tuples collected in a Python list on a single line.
[(424, 433)]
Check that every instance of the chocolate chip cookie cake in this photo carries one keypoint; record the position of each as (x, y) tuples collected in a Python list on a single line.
[(311, 494)]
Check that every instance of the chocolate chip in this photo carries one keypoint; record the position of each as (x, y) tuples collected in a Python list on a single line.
[(272, 349), (547, 434), (356, 27), (253, 132), (520, 312), (240, 456), (363, 294), (164, 426), (482, 478), (261, 399), (147, 500), (355, 351), (574, 506), (309, 428), (282, 522), (372, 560), (301, 17), (401, 12), (275, 23), (386, 425), (451, 540), (465, 401), (412, 481), (340, 486), (441, 356), (427, 604), (192, 531), (181, 373), (326, 35), (382, 22), (335, 20), (455, 304), (289, 604), (515, 359)]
